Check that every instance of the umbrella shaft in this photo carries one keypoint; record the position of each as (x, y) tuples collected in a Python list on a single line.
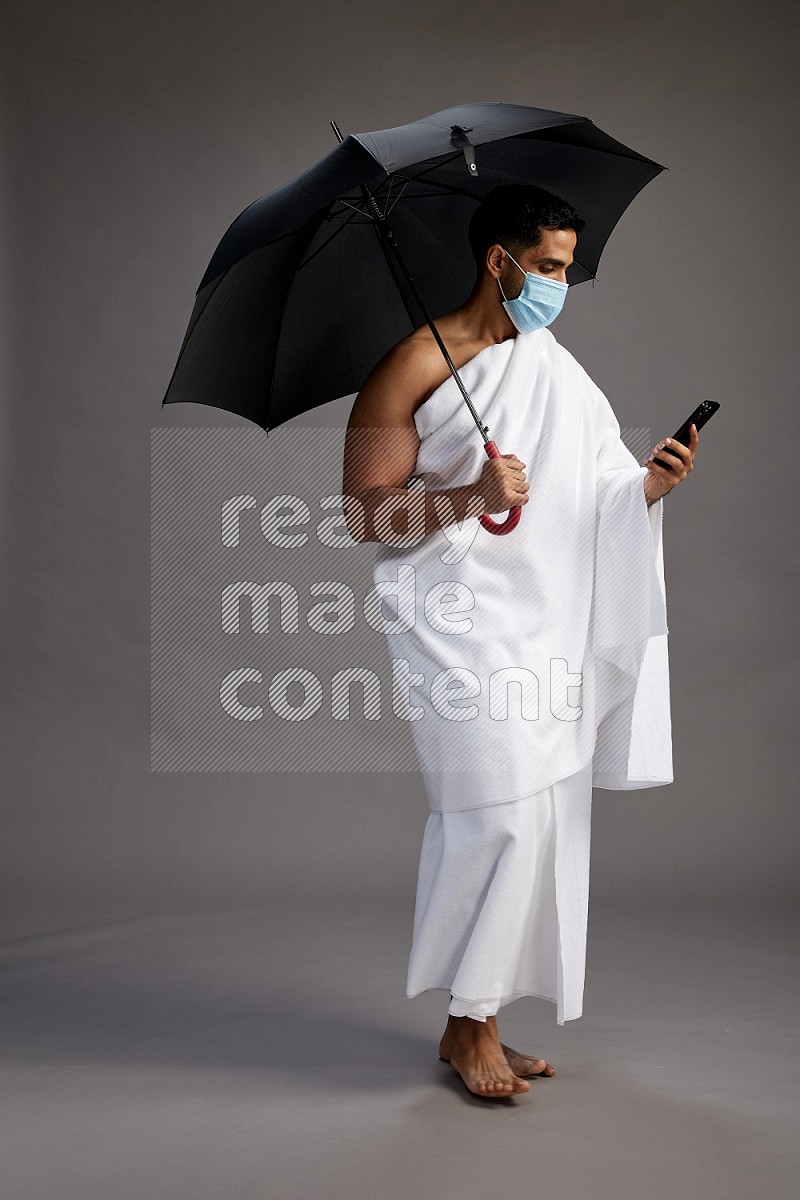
[(387, 238)]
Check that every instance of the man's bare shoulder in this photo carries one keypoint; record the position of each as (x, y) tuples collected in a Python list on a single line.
[(417, 356), (405, 376)]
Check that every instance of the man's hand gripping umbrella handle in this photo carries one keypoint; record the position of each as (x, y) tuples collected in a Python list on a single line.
[(514, 514)]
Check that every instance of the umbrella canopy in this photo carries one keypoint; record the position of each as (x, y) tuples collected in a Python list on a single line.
[(301, 298)]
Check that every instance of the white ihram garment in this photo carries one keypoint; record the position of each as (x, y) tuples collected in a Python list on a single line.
[(502, 902), (568, 611), (571, 609)]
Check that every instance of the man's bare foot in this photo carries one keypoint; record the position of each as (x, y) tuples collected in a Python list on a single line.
[(473, 1049), (524, 1066)]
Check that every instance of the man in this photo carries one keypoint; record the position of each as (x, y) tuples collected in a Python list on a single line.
[(576, 591)]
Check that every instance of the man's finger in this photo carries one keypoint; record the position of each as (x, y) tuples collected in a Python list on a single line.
[(677, 448), (668, 447)]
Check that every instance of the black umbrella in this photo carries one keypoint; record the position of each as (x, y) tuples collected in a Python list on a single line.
[(312, 284)]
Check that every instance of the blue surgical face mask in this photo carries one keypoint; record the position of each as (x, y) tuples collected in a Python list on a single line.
[(539, 302)]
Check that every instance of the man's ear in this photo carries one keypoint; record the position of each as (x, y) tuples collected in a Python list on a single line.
[(494, 260)]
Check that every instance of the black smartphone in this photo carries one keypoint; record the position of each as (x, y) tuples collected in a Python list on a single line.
[(704, 412)]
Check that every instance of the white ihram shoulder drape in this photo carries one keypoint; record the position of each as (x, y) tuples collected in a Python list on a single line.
[(570, 607)]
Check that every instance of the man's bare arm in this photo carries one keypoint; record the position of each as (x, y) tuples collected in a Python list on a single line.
[(381, 449)]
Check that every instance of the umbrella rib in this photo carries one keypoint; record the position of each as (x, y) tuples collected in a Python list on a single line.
[(388, 209), (390, 204), (355, 209), (446, 187), (335, 233), (370, 220), (436, 166)]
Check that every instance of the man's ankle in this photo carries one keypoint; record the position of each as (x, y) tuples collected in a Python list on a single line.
[(472, 1024)]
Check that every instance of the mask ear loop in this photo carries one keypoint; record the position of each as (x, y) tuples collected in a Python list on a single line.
[(516, 264)]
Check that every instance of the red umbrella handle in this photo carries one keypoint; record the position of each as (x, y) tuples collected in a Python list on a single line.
[(514, 514)]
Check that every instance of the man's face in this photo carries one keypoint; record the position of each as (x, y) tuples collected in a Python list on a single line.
[(549, 257)]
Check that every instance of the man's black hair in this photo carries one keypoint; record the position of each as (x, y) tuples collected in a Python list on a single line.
[(514, 215)]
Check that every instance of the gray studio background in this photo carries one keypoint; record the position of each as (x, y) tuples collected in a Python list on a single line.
[(133, 135)]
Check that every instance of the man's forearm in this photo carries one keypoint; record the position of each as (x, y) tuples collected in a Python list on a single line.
[(424, 511)]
